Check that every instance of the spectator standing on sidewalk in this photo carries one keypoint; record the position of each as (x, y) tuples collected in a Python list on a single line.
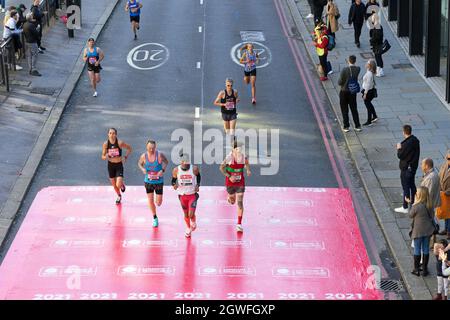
[(321, 44), (38, 17), (31, 37), (442, 281), (311, 6), (3, 5), (318, 9), (408, 151), (10, 30), (443, 212), (369, 92), (22, 19), (332, 18), (422, 229), (430, 180), (376, 41), (356, 17), (346, 98)]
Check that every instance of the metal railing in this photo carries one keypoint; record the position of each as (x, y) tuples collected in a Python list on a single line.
[(5, 60)]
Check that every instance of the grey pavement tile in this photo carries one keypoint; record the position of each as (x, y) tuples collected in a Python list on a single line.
[(390, 182), (387, 174), (405, 234)]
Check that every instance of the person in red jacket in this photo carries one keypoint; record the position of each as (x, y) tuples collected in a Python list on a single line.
[(321, 44)]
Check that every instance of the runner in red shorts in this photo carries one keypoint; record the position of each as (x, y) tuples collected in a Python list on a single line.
[(233, 170), (186, 180)]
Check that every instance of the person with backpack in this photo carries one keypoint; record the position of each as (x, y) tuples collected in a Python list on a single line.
[(332, 18), (348, 80), (321, 44)]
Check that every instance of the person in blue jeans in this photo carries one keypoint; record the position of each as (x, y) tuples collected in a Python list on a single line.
[(422, 229), (3, 5)]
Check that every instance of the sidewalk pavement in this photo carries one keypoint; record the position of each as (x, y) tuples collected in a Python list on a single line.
[(30, 112), (404, 97)]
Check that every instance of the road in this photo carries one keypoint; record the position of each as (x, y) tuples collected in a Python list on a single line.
[(153, 104)]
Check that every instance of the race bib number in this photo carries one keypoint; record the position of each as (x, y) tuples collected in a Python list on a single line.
[(186, 180), (229, 105), (113, 152), (92, 60), (153, 175), (237, 176)]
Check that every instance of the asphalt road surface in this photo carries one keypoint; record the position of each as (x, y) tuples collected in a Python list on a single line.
[(188, 47)]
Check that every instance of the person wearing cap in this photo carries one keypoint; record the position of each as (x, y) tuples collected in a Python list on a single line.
[(22, 19), (37, 13), (233, 170), (93, 56), (321, 43), (31, 37), (186, 180)]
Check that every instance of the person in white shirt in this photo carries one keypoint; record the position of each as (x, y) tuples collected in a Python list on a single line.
[(369, 92), (10, 30)]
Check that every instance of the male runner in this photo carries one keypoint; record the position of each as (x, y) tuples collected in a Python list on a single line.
[(112, 151), (233, 170), (227, 99), (93, 56), (186, 180), (153, 164), (134, 7)]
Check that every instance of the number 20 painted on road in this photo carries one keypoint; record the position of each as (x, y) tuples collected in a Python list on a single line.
[(148, 56)]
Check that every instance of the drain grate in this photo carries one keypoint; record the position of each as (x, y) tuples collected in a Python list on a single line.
[(402, 66), (43, 90), (391, 285), (32, 109), (367, 55)]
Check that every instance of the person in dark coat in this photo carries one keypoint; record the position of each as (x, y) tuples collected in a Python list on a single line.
[(356, 17), (20, 11), (408, 151), (31, 38), (376, 41), (422, 229), (37, 14), (319, 5)]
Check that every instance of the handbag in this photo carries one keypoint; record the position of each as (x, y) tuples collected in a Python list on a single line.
[(386, 46), (443, 212), (435, 225), (374, 92)]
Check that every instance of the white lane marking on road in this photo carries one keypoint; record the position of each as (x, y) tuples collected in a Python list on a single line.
[(197, 112), (200, 29), (148, 58), (199, 65), (265, 55)]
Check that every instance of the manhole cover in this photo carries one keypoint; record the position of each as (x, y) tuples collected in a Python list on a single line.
[(32, 109), (20, 83), (391, 285), (367, 55), (402, 66), (45, 91)]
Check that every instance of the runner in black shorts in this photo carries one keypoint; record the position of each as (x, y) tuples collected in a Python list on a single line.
[(227, 99), (153, 164), (112, 151), (93, 56), (250, 58), (134, 7)]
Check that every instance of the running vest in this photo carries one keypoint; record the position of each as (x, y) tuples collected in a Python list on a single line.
[(251, 65), (113, 149), (187, 181), (152, 169), (230, 103), (134, 5), (92, 57), (237, 170)]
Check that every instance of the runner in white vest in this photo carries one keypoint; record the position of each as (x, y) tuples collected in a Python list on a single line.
[(186, 180)]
